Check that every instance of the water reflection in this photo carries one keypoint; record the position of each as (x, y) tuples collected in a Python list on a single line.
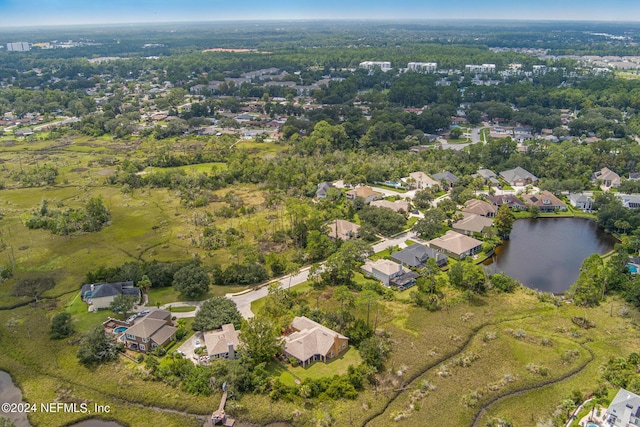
[(547, 253)]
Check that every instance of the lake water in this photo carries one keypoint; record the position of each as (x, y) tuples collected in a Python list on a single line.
[(546, 253)]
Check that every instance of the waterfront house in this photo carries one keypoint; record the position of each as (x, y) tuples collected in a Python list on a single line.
[(312, 341)]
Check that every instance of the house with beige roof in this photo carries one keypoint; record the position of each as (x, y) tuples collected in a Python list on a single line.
[(545, 201), (420, 181), (156, 329), (400, 206), (480, 207), (606, 178), (312, 341), (222, 344), (365, 192), (456, 245), (343, 230), (473, 225)]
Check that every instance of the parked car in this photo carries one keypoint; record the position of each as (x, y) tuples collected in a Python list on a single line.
[(144, 313), (130, 319), (197, 344)]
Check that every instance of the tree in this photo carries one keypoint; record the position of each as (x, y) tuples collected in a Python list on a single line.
[(368, 298), (374, 351), (504, 221), (96, 347), (432, 225), (588, 289), (123, 303), (456, 132), (216, 312), (97, 214), (192, 281), (61, 326), (340, 266), (261, 338), (145, 283), (343, 295)]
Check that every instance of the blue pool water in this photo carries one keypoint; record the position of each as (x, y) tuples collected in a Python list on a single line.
[(120, 329), (591, 425), (632, 269)]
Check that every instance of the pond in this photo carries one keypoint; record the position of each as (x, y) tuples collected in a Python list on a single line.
[(546, 253)]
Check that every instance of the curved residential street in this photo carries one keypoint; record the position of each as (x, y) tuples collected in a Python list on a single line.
[(244, 299)]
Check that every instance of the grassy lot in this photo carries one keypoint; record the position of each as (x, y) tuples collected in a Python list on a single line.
[(411, 222), (337, 366)]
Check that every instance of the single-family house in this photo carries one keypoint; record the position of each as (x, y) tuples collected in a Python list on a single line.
[(390, 273), (519, 176), (100, 295), (456, 245), (312, 341), (343, 230), (510, 200), (416, 256), (634, 176), (581, 201), (447, 177), (473, 225), (155, 329), (629, 201), (400, 206), (480, 207), (545, 201), (420, 181), (222, 344), (365, 192), (606, 178), (624, 410), (489, 176), (321, 192)]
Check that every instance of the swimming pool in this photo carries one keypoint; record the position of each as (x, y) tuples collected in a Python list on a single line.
[(120, 329), (592, 425), (632, 269)]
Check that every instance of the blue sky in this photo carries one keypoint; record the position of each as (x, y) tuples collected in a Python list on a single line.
[(62, 12)]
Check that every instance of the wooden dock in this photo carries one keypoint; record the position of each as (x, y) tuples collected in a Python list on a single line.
[(219, 416)]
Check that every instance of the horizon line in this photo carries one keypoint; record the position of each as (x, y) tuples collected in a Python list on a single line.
[(329, 20)]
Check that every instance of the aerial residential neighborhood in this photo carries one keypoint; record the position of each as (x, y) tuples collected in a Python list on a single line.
[(318, 221)]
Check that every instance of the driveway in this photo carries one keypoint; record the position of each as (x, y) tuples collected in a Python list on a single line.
[(189, 346)]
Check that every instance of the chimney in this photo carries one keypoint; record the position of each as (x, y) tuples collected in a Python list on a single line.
[(232, 352)]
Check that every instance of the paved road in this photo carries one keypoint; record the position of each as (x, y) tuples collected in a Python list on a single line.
[(244, 299)]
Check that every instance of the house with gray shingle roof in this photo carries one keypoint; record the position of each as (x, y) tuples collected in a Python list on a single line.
[(416, 256), (581, 201), (624, 410), (519, 176), (447, 177), (312, 341), (321, 193), (100, 295)]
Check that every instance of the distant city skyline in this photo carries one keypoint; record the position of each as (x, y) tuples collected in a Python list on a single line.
[(78, 12)]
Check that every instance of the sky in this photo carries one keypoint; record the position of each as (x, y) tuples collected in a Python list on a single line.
[(64, 12)]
